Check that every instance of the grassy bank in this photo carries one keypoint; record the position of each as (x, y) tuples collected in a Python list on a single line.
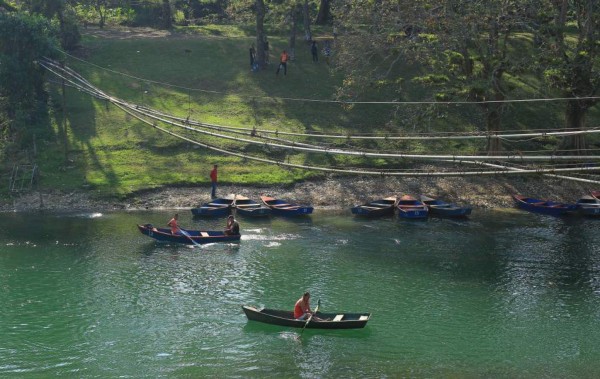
[(204, 74)]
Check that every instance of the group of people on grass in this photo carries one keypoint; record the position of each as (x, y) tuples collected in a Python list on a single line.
[(284, 57)]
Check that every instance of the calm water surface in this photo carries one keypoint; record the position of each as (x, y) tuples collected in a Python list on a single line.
[(505, 294)]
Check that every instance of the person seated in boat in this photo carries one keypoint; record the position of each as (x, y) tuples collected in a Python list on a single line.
[(233, 227), (302, 309), (173, 224)]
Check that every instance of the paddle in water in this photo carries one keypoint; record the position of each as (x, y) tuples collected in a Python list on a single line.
[(311, 316), (189, 237)]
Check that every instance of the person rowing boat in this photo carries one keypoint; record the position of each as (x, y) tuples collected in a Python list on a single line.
[(302, 309)]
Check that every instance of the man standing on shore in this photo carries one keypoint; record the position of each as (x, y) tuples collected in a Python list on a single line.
[(213, 180)]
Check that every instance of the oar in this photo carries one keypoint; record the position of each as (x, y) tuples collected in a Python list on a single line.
[(188, 236), (311, 316)]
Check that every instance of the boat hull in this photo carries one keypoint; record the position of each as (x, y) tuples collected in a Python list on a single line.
[(443, 209), (217, 207), (198, 236), (286, 318), (250, 208), (283, 208), (377, 208), (588, 206), (206, 211), (411, 208), (542, 206)]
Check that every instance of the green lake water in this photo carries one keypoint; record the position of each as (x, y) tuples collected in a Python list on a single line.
[(504, 294)]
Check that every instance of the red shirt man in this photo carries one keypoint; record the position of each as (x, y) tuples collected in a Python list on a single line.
[(302, 307), (173, 224)]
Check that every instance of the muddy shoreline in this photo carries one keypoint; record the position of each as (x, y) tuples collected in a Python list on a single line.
[(332, 193)]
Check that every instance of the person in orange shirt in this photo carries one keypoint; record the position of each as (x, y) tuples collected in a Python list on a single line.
[(302, 309), (283, 63), (173, 224)]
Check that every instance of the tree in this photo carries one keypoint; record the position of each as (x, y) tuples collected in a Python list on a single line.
[(167, 17), (463, 45), (306, 18), (261, 37), (324, 15), (24, 40), (570, 53), (293, 27)]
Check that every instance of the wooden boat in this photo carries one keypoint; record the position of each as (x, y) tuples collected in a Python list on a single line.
[(251, 208), (199, 237), (588, 206), (217, 207), (328, 320), (375, 208), (409, 207), (542, 206), (283, 208), (441, 208)]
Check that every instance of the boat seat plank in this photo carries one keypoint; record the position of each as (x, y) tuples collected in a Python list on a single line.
[(338, 318), (363, 318), (204, 234)]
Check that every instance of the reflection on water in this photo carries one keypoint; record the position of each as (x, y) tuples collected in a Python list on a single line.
[(506, 294)]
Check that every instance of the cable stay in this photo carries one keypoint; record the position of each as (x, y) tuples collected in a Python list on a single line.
[(139, 112)]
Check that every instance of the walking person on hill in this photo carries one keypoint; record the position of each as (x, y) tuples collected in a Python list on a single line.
[(213, 180), (266, 46), (283, 63), (314, 51), (252, 57), (327, 52)]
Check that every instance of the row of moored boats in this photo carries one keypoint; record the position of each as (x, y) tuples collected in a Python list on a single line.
[(407, 207)]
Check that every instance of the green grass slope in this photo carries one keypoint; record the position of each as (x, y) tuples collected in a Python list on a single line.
[(207, 78)]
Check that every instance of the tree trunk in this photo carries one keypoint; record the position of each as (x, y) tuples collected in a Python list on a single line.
[(575, 120), (324, 14), (260, 34), (493, 117), (292, 47), (307, 33), (100, 10), (167, 16)]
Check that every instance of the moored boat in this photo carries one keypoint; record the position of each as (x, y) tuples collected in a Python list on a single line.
[(375, 208), (409, 207), (187, 237), (216, 207), (338, 320), (441, 208), (588, 206), (542, 206), (595, 194), (283, 208), (248, 207)]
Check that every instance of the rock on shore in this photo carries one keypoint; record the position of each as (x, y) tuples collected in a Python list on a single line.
[(333, 192)]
